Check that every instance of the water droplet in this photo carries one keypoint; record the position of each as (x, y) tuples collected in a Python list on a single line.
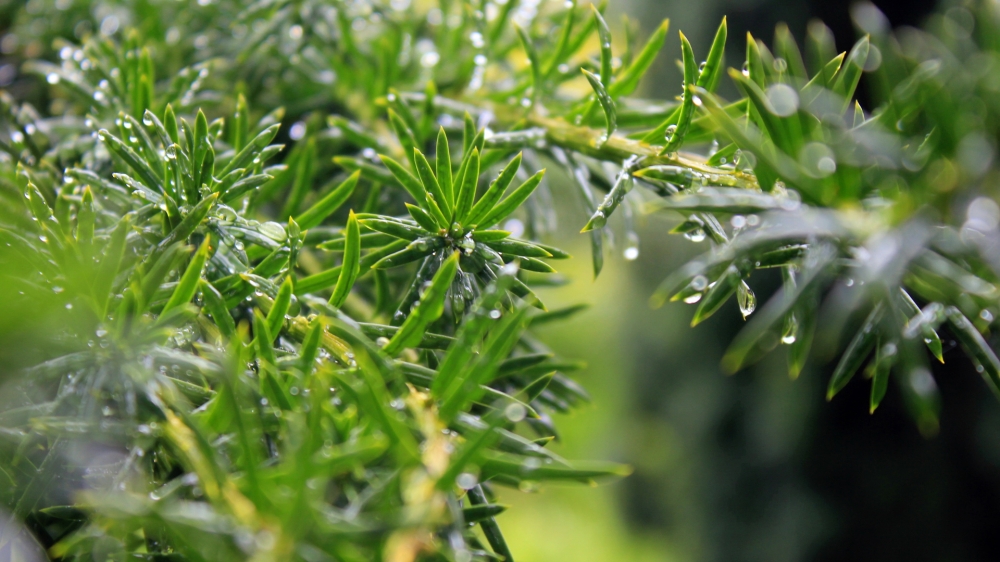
[(515, 412), (669, 133), (696, 235), (738, 221), (430, 59), (826, 165), (784, 99), (986, 315), (495, 313), (466, 481), (746, 299), (631, 253), (171, 152), (52, 78)]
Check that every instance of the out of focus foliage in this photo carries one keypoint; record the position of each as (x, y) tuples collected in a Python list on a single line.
[(262, 303)]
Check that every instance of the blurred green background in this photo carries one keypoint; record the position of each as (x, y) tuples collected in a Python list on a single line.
[(750, 467)]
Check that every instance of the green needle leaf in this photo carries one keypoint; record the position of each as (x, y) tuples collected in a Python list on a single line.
[(216, 306), (786, 48), (134, 161), (850, 73), (931, 337), (489, 525), (536, 69), (519, 248), (276, 316), (614, 198), (687, 106), (629, 79), (423, 218), (512, 201), (430, 308), (403, 133), (987, 363), (460, 355), (329, 203), (711, 73), (443, 166), (607, 104), (856, 352), (724, 288), (885, 356), (188, 284), (246, 156), (351, 266), (109, 266), (432, 186), (562, 47), (310, 345), (468, 182), (604, 36), (494, 193), (85, 219), (409, 182), (477, 513), (393, 228)]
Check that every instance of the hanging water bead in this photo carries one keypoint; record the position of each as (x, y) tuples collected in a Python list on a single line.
[(466, 480), (631, 246), (746, 299), (788, 335), (669, 133), (696, 235)]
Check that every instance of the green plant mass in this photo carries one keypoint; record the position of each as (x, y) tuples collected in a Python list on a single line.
[(266, 279)]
